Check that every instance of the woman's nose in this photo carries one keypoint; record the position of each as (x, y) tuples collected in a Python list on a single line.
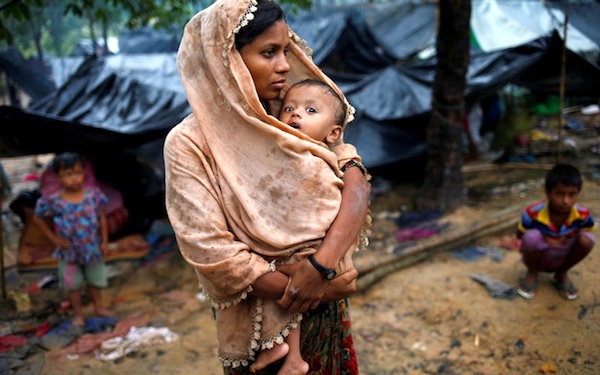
[(282, 64)]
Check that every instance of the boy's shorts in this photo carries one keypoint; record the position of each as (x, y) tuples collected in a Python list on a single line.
[(73, 276), (553, 256)]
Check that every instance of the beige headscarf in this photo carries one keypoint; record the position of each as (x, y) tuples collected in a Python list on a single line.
[(242, 187)]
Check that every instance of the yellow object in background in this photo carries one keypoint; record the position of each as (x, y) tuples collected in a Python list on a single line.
[(22, 301)]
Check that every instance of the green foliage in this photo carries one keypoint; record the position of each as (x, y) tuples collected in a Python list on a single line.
[(55, 24)]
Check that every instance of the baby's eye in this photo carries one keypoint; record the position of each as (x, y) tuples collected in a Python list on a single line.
[(311, 110), (288, 109)]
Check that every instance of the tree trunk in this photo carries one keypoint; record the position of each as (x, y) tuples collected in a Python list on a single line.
[(105, 50), (92, 32), (442, 188), (35, 23)]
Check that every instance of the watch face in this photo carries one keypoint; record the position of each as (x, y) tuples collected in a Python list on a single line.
[(330, 275)]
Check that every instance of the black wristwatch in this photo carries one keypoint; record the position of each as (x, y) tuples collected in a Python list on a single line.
[(327, 273)]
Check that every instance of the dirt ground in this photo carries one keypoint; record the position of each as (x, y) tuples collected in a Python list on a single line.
[(427, 318)]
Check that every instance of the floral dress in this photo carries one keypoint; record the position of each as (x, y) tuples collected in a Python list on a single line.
[(77, 222)]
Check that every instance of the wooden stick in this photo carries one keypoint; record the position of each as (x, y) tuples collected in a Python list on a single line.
[(492, 167), (2, 277), (371, 272), (563, 68)]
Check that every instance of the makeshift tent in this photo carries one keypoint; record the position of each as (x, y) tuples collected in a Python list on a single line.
[(374, 51)]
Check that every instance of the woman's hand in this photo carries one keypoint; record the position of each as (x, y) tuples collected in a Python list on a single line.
[(305, 289), (342, 286)]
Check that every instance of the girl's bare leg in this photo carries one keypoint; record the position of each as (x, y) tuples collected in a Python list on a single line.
[(96, 296), (75, 300)]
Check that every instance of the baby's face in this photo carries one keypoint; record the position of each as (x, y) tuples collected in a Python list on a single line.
[(311, 110)]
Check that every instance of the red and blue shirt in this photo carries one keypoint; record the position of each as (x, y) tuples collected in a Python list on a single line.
[(537, 216)]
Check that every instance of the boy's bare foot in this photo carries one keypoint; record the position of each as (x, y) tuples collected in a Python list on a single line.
[(266, 357), (105, 312), (78, 321), (296, 366)]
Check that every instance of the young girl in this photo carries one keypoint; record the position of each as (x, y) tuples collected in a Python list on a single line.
[(80, 233)]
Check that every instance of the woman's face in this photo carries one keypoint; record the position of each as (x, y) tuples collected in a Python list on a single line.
[(266, 59)]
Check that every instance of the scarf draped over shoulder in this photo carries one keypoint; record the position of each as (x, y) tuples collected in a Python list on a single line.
[(243, 188)]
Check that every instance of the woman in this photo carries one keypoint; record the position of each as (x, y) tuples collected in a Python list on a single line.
[(246, 191)]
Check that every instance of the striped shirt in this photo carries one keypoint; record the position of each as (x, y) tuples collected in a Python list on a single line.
[(537, 216)]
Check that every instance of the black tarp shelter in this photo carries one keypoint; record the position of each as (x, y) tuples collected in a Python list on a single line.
[(381, 55)]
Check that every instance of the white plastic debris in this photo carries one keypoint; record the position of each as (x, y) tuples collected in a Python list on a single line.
[(137, 338), (592, 109)]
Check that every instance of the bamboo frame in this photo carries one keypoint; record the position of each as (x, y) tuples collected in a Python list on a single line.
[(371, 272)]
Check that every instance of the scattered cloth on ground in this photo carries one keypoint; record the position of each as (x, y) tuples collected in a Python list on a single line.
[(411, 234), (510, 242), (61, 337), (497, 289), (99, 324), (45, 282), (411, 219), (418, 225), (8, 342), (469, 254), (137, 338), (87, 343)]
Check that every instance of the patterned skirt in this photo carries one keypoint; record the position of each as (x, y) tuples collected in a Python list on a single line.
[(326, 343)]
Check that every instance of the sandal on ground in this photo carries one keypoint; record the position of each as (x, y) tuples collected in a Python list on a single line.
[(568, 292), (525, 290)]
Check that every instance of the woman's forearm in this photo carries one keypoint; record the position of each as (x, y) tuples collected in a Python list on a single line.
[(349, 221)]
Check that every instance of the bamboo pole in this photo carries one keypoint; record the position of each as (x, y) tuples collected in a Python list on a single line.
[(492, 167), (562, 89), (4, 295), (371, 272)]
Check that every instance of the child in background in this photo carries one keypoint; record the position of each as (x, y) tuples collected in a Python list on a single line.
[(556, 233), (80, 234), (315, 109)]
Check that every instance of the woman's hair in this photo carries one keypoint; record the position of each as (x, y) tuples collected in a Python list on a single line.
[(341, 109), (265, 16), (67, 160), (564, 174)]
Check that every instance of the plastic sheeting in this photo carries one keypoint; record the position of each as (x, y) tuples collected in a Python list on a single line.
[(498, 25), (118, 100), (372, 51)]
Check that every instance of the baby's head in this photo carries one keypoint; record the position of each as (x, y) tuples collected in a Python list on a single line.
[(314, 108)]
